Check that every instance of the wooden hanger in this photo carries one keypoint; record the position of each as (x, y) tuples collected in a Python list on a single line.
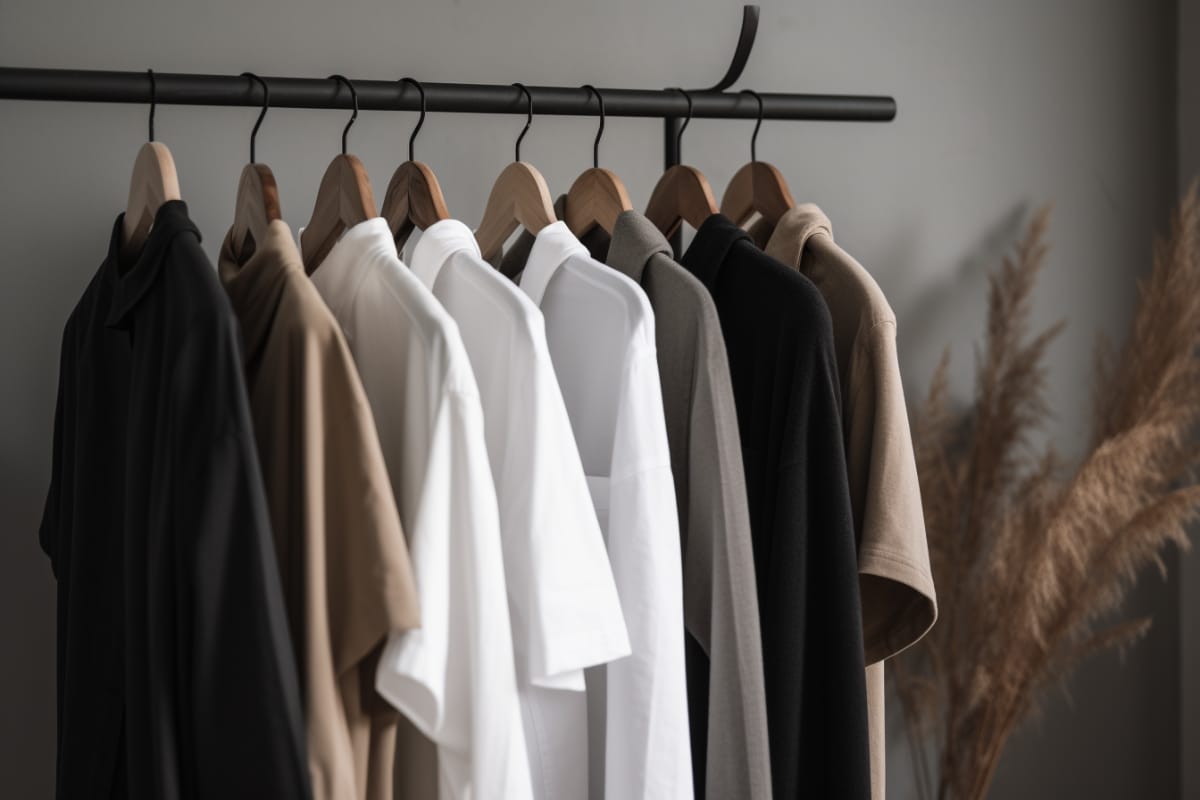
[(682, 194), (597, 196), (414, 196), (257, 203), (153, 182), (344, 199), (756, 186), (519, 197)]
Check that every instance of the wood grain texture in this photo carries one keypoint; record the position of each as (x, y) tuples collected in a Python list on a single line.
[(257, 205), (152, 183), (756, 187), (519, 197), (682, 194), (595, 198), (413, 200), (344, 199)]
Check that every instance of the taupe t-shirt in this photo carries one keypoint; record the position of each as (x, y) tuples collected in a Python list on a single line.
[(896, 585), (341, 551)]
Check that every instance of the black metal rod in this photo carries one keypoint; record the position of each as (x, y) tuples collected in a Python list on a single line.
[(73, 85)]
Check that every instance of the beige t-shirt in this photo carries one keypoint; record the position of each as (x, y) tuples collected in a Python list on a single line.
[(341, 552), (895, 582)]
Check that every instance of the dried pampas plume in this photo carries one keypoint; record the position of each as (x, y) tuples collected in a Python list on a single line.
[(1029, 552)]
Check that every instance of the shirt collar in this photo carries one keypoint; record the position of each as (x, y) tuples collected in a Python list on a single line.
[(635, 241), (552, 246), (794, 229), (438, 242), (131, 286), (255, 286), (710, 246)]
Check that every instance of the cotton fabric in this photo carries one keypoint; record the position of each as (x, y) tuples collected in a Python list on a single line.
[(562, 600), (898, 597), (340, 548), (175, 673), (453, 677), (782, 363), (600, 330), (726, 697)]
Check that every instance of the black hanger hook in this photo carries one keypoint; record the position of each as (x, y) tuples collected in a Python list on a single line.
[(421, 120), (354, 97), (686, 120), (528, 120), (153, 101), (600, 131), (757, 125), (261, 114)]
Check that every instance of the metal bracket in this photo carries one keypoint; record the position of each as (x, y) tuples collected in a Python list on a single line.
[(741, 53)]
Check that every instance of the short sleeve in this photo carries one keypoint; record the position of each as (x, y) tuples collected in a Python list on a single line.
[(370, 584), (898, 596), (560, 582), (454, 676)]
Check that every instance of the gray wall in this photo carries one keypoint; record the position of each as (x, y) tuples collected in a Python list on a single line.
[(1002, 106)]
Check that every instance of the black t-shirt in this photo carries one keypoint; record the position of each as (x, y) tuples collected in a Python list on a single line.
[(175, 673), (782, 363)]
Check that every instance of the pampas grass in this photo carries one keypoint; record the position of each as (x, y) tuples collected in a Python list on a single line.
[(1029, 552)]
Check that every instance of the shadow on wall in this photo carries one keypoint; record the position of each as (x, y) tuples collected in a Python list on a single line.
[(27, 628), (935, 319), (950, 311), (931, 323)]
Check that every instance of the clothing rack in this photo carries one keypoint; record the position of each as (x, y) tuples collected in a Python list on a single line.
[(102, 86)]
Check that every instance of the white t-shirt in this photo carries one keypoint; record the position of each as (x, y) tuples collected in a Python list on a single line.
[(453, 677), (600, 329), (563, 603)]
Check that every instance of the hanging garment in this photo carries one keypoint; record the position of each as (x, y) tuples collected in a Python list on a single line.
[(453, 677), (600, 329), (175, 673), (785, 386), (727, 701), (898, 600), (726, 698), (342, 556), (562, 601)]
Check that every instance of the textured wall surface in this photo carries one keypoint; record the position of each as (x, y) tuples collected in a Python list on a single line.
[(1003, 106)]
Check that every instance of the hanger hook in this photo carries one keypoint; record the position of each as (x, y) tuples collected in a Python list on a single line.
[(528, 119), (354, 97), (261, 114), (757, 125), (686, 120), (600, 131), (153, 101), (421, 120)]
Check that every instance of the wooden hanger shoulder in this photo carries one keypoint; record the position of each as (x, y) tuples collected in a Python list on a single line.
[(756, 187), (344, 199), (596, 197), (152, 183), (413, 199), (256, 208), (519, 197), (682, 194)]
